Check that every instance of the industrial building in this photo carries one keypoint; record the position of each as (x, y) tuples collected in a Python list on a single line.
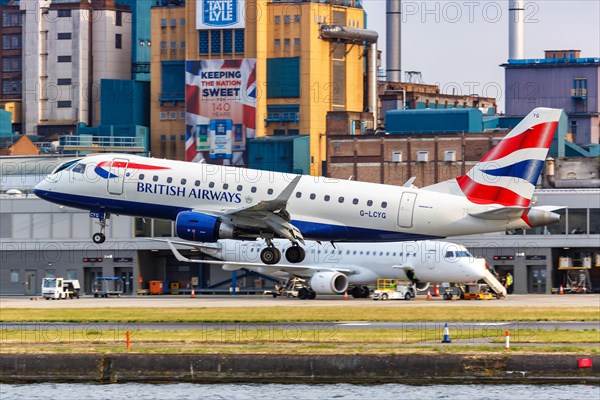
[(575, 83), (11, 77)]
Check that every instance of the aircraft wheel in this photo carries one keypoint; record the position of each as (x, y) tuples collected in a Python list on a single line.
[(365, 292), (303, 293), (357, 292), (270, 255), (98, 238), (312, 294), (295, 254), (384, 296)]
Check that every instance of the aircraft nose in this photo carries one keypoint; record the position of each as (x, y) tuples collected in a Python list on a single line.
[(41, 189)]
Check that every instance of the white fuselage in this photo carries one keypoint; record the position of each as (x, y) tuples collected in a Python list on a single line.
[(429, 261), (321, 208)]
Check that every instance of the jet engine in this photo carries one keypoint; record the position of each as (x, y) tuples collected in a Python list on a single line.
[(539, 217), (329, 282), (200, 227)]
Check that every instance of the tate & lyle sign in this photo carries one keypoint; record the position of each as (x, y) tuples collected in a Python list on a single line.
[(219, 14)]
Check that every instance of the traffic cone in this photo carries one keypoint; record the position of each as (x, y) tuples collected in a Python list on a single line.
[(193, 293), (446, 338), (507, 341), (428, 294), (345, 295), (561, 290), (436, 291)]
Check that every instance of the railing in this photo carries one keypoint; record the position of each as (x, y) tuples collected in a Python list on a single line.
[(90, 142)]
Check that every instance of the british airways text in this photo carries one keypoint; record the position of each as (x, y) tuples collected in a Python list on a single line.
[(179, 191)]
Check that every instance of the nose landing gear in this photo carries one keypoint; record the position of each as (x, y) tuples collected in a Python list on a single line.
[(100, 237)]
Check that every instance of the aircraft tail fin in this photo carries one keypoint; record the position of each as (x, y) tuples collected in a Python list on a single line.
[(508, 173)]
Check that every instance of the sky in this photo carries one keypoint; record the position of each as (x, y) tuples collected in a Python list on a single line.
[(460, 44)]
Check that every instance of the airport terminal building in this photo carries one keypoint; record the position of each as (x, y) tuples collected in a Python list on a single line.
[(39, 239)]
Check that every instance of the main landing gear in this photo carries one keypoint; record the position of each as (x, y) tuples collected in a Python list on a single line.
[(100, 237), (360, 292), (271, 255)]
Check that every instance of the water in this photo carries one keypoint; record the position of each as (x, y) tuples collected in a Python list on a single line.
[(186, 391)]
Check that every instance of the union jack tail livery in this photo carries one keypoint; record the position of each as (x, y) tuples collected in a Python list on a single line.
[(508, 173)]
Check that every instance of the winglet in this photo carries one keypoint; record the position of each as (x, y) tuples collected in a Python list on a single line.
[(287, 192)]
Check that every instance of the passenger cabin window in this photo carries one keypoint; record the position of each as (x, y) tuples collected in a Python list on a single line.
[(313, 196), (340, 199), (253, 190), (197, 183), (270, 191), (225, 186), (298, 195), (155, 178), (79, 168), (169, 180), (384, 204), (326, 198), (211, 185), (142, 176), (370, 203), (355, 201), (239, 188), (183, 181)]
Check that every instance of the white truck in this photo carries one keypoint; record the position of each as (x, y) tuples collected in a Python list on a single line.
[(59, 288), (393, 289)]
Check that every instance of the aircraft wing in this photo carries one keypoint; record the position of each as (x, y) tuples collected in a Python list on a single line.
[(234, 265), (270, 215), (199, 245)]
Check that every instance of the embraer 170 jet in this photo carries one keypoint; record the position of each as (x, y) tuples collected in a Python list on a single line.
[(210, 202), (331, 268)]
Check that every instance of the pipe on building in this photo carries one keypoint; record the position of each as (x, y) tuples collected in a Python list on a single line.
[(516, 27), (550, 171), (348, 34), (577, 183), (393, 19), (373, 83)]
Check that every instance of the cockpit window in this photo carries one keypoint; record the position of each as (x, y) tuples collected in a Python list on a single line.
[(457, 254), (79, 168), (65, 165), (449, 254)]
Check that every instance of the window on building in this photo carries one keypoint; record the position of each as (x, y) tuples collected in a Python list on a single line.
[(119, 18), (64, 13), (286, 42), (50, 273), (287, 19), (11, 87), (63, 104), (203, 42), (173, 138), (577, 221), (296, 42), (277, 19), (215, 42), (64, 36), (11, 42), (63, 81), (173, 22), (296, 18), (12, 19), (163, 45), (182, 115), (62, 59), (11, 64), (163, 138), (283, 85), (163, 23), (277, 42), (239, 41), (72, 274), (173, 115), (182, 22), (594, 221), (15, 276), (227, 41), (173, 45), (163, 115), (182, 44), (118, 41)]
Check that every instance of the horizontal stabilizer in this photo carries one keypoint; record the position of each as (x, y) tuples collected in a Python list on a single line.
[(501, 213)]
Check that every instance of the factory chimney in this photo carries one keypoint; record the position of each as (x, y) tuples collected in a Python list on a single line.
[(393, 17), (516, 24)]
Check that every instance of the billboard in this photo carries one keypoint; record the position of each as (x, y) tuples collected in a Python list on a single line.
[(219, 14), (220, 107)]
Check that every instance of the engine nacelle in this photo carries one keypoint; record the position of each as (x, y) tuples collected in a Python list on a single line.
[(537, 217), (329, 282), (422, 286), (199, 227)]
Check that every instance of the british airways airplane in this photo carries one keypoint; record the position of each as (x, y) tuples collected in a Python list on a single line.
[(331, 268), (210, 202)]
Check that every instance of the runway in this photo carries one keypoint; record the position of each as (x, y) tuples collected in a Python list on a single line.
[(203, 301)]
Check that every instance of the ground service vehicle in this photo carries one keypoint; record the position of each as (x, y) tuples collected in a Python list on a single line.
[(59, 288), (104, 286), (393, 289)]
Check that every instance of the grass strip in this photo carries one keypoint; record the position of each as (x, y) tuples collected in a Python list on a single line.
[(300, 314)]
